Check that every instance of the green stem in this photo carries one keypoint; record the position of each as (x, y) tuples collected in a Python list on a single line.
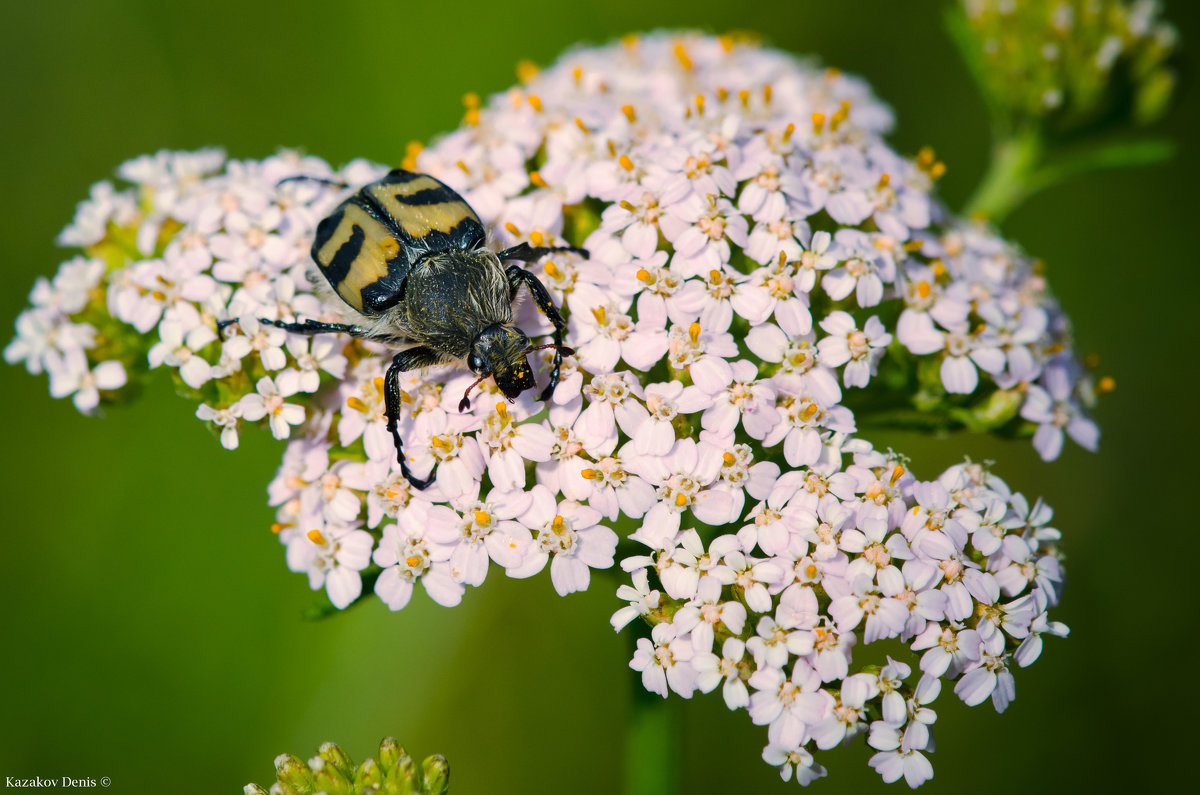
[(652, 745), (1008, 180), (1022, 165)]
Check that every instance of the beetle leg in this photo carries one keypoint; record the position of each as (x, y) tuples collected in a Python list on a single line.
[(309, 327), (409, 359), (222, 325), (517, 276), (528, 253)]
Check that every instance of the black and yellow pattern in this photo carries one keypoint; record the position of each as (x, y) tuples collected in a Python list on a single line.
[(367, 247)]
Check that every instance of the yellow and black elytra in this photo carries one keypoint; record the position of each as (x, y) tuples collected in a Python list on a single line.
[(408, 256)]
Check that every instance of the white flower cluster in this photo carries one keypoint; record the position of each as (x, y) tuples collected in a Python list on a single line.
[(755, 247)]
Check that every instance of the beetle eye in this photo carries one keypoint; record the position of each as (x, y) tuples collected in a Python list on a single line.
[(475, 363)]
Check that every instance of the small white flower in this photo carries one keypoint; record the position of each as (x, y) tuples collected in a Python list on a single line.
[(269, 402), (332, 556), (70, 375), (859, 350)]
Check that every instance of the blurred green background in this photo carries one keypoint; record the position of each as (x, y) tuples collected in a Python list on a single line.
[(152, 632)]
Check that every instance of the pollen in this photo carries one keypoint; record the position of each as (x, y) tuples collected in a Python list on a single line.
[(912, 246), (441, 443), (768, 90), (684, 59), (729, 459), (727, 42), (316, 537), (694, 331), (700, 104), (577, 74), (535, 102), (923, 289), (600, 315), (526, 70), (643, 275), (937, 170), (809, 411), (744, 97), (557, 524), (411, 150), (787, 132), (1106, 385), (883, 182), (722, 93), (501, 409), (842, 113), (512, 229), (536, 237), (278, 527), (714, 276), (378, 384), (629, 113), (552, 270), (897, 473), (412, 561), (482, 517), (625, 162), (463, 166), (579, 123), (589, 474), (535, 177), (680, 500), (357, 405), (818, 122), (471, 103)]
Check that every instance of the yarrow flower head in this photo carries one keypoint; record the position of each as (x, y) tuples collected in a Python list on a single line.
[(763, 271)]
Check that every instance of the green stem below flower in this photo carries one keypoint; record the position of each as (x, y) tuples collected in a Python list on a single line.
[(1022, 165), (652, 745), (1007, 181)]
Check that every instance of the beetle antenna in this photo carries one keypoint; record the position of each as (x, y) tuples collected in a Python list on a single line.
[(465, 403)]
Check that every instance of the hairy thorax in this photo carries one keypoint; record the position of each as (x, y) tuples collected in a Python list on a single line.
[(449, 298)]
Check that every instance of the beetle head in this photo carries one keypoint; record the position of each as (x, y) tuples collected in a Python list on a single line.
[(499, 351)]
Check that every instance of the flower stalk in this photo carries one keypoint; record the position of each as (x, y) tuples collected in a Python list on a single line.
[(652, 746)]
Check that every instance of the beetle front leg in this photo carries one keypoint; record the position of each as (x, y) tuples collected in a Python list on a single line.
[(409, 359), (518, 276)]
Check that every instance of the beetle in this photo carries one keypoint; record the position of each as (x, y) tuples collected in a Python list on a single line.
[(408, 258)]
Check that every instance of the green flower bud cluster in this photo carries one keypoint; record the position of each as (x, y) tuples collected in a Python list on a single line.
[(332, 772), (1071, 63)]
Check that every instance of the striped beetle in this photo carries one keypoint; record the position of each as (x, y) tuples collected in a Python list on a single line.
[(408, 257)]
